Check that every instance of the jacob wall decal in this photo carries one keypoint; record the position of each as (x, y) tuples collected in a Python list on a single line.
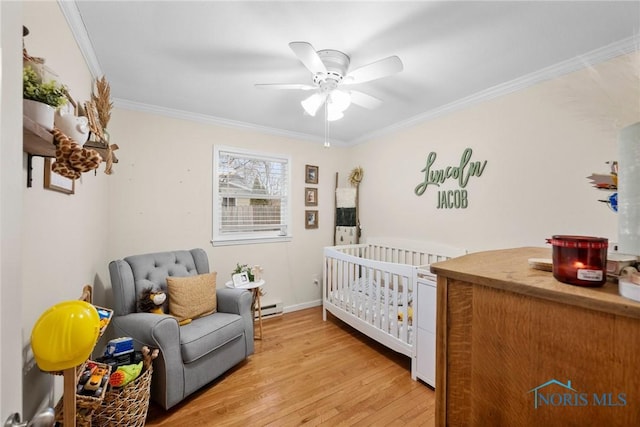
[(461, 173)]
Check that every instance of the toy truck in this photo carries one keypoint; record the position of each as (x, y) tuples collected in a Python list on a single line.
[(118, 347), (93, 380)]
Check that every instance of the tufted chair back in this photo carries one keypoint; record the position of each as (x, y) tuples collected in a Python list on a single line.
[(138, 272)]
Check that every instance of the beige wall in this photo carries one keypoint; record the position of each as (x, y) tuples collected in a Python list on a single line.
[(540, 144), (64, 238), (161, 195), (11, 187)]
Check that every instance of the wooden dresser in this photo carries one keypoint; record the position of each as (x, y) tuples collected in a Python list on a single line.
[(515, 347)]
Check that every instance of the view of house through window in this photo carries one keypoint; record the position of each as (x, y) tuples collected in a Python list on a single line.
[(250, 196)]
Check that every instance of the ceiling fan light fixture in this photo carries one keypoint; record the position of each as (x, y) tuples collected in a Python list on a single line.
[(313, 103), (339, 100)]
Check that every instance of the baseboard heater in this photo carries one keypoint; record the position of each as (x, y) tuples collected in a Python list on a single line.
[(270, 308)]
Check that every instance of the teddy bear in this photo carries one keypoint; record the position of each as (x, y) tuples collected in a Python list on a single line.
[(152, 301)]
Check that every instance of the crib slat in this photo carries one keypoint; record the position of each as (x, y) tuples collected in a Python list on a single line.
[(372, 286)]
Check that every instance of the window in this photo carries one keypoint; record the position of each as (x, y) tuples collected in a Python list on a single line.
[(250, 197)]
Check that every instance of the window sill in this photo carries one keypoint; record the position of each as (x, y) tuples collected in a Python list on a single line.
[(249, 240)]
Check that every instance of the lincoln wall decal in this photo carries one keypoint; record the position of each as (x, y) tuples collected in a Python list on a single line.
[(461, 173)]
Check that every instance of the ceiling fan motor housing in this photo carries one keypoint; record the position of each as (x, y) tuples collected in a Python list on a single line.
[(330, 69), (336, 63)]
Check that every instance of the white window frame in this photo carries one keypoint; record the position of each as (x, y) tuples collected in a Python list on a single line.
[(221, 238)]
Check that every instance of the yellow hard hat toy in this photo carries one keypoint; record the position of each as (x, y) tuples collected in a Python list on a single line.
[(64, 335)]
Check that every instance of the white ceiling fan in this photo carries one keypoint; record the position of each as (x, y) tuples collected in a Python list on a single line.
[(331, 72)]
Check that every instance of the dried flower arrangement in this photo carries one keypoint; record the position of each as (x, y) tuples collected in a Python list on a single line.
[(102, 101), (99, 113)]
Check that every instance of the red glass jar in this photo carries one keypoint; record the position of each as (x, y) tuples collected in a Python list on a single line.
[(580, 260)]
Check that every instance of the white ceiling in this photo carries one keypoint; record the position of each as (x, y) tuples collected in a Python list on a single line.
[(201, 59)]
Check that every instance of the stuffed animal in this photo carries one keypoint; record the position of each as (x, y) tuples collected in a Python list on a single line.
[(148, 355), (409, 311), (151, 301), (71, 158)]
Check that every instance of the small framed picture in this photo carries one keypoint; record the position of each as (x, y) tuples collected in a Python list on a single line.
[(310, 196), (311, 174), (53, 181), (310, 219), (240, 279)]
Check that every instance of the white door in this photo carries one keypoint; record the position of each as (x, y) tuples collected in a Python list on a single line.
[(11, 188)]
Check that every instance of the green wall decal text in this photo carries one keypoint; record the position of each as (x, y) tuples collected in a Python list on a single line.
[(448, 199)]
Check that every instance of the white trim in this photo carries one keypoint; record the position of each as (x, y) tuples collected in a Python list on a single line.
[(203, 118), (302, 306), (249, 241), (622, 47), (76, 24)]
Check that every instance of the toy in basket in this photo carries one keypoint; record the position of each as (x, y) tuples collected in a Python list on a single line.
[(91, 387), (127, 405)]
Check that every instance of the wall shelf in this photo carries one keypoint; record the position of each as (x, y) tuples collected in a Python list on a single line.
[(38, 141)]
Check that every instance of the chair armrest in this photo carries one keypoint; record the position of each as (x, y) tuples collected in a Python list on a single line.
[(163, 332), (238, 301), (154, 330)]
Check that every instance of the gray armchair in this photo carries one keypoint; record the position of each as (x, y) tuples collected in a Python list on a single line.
[(191, 355)]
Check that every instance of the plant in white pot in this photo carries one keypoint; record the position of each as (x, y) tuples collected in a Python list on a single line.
[(41, 99)]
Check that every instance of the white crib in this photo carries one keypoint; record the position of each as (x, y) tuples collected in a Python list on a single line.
[(373, 288)]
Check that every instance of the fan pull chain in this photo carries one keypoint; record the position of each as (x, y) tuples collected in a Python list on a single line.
[(327, 144)]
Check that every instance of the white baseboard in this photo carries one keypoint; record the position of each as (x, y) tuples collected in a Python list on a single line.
[(304, 305)]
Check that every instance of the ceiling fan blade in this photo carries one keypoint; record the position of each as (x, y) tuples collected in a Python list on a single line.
[(364, 100), (376, 70), (313, 103), (298, 86), (308, 56)]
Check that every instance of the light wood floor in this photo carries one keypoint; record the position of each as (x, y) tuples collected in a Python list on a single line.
[(306, 371)]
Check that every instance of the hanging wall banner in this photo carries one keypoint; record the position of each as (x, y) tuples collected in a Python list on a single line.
[(460, 174)]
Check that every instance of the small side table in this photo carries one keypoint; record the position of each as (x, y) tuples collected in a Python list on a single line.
[(254, 287)]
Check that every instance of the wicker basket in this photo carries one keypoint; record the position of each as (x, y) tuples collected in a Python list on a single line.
[(126, 406), (85, 405)]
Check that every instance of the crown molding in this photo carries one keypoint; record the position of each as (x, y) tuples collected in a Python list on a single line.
[(211, 120), (622, 47), (72, 15)]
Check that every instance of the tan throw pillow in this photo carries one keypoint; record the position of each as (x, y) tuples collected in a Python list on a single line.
[(191, 297)]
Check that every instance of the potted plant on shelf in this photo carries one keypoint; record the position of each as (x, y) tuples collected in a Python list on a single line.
[(41, 99)]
